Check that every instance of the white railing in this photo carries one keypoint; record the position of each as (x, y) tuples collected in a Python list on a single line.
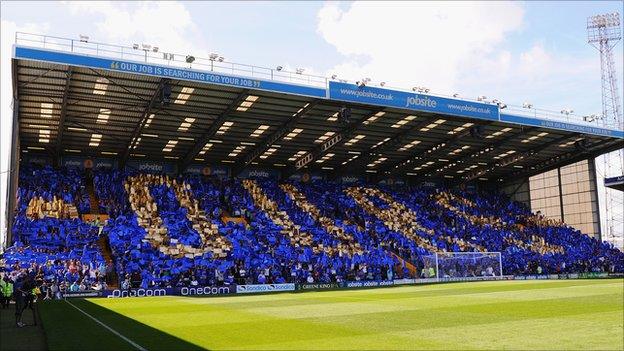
[(165, 58), (214, 65)]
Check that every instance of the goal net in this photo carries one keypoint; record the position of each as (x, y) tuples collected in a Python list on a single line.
[(462, 265)]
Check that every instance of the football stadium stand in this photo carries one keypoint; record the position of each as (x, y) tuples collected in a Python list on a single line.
[(169, 232), (134, 172)]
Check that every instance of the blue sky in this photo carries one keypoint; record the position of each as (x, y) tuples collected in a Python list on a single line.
[(289, 34), (514, 51)]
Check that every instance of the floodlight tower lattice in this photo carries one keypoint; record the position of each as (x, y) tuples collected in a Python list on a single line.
[(604, 32)]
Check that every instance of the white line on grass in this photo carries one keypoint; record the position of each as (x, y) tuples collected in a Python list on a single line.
[(139, 347)]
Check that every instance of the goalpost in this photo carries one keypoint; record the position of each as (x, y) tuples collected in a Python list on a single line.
[(462, 266)]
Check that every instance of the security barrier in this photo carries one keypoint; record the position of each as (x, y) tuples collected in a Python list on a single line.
[(292, 287)]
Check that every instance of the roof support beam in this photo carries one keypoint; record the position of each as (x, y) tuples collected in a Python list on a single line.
[(570, 157), (515, 157), (222, 117), (61, 126), (495, 145), (13, 174), (396, 140), (144, 116), (339, 138), (112, 82), (274, 137), (427, 154), (27, 83)]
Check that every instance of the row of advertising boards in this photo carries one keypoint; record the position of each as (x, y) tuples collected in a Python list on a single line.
[(291, 287)]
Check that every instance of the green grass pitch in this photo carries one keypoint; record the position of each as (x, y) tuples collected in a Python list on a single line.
[(572, 314)]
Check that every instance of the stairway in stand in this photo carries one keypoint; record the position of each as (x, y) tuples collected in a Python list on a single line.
[(410, 267), (93, 201), (105, 249)]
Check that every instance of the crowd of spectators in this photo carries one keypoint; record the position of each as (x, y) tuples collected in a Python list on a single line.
[(61, 252), (110, 191), (529, 243), (48, 184), (169, 231)]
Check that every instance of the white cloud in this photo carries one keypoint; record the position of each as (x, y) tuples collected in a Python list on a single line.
[(458, 47), (416, 43), (549, 81), (168, 25)]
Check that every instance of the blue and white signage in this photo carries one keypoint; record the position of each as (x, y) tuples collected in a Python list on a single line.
[(411, 101), (151, 166), (149, 292), (259, 288), (351, 179), (82, 162), (259, 173), (105, 163), (570, 127), (218, 171), (336, 90), (39, 160), (614, 181), (164, 71)]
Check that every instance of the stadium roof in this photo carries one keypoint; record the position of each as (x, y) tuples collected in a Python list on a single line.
[(77, 104)]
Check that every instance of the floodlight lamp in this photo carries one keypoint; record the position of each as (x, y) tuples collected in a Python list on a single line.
[(155, 49), (299, 70), (481, 98), (190, 59), (84, 38), (382, 84), (455, 95), (279, 68), (221, 59), (146, 47), (334, 76), (527, 105), (213, 56), (135, 46)]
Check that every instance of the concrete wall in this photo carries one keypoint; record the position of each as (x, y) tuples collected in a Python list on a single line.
[(569, 194)]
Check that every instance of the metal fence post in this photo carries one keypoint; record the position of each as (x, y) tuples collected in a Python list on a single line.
[(437, 272)]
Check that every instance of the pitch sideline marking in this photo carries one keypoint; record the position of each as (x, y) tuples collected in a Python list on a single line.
[(139, 347)]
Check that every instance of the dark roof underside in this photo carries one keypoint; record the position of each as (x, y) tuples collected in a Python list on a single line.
[(70, 90)]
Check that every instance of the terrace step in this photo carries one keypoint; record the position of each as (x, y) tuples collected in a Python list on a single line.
[(93, 200), (105, 249), (410, 267)]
